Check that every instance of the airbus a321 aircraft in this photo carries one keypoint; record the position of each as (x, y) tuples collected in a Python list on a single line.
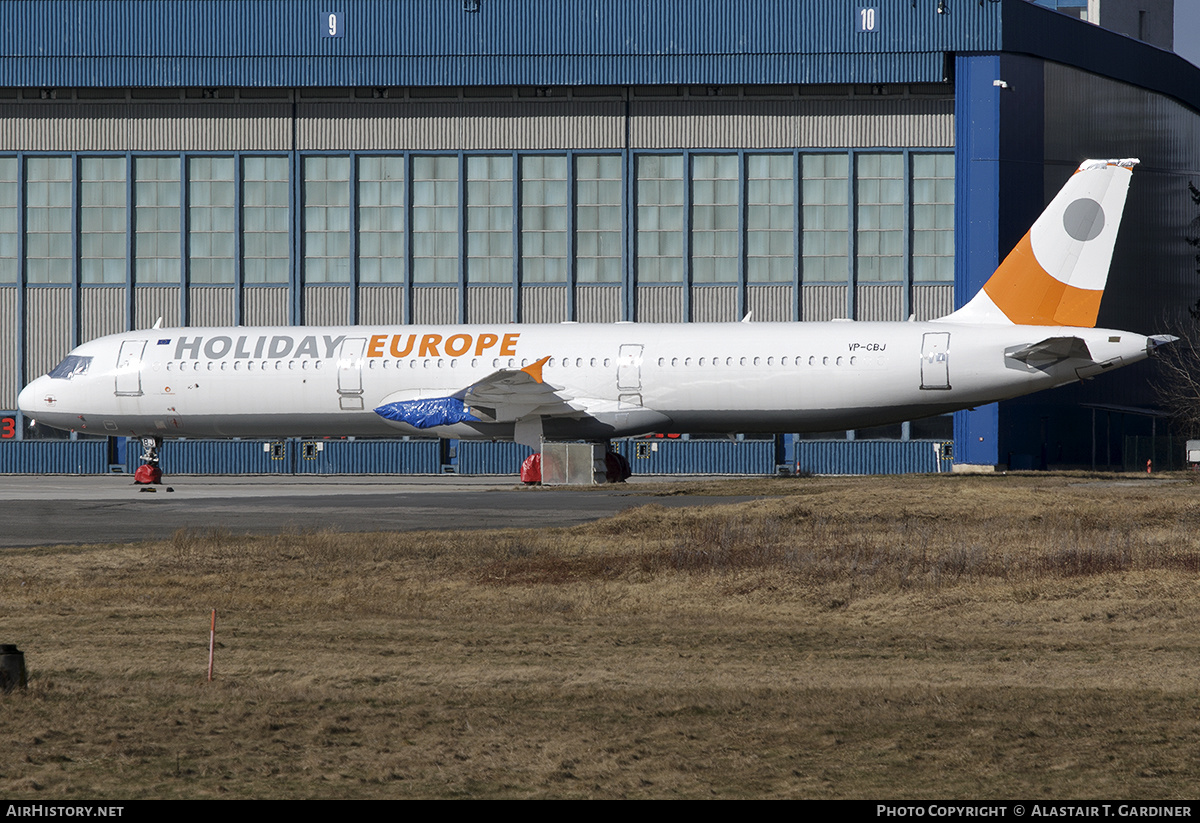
[(1030, 328)]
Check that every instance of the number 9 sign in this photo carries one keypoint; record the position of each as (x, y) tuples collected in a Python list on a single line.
[(331, 24)]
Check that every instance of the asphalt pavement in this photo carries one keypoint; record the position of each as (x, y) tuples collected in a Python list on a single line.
[(49, 509)]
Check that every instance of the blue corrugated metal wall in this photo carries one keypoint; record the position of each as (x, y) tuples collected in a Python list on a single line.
[(53, 457), (367, 457), (665, 456), (216, 457), (294, 457), (439, 42), (646, 457), (485, 457), (867, 457)]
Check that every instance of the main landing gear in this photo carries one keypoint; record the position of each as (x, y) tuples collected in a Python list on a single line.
[(149, 474)]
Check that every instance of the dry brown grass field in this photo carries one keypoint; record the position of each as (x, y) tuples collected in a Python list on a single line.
[(1030, 636)]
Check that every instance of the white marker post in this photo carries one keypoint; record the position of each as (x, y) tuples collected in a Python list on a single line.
[(212, 636)]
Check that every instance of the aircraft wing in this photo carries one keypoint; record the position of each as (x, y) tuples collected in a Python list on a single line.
[(504, 396), (511, 394)]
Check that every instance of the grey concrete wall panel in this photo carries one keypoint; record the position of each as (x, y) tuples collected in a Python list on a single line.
[(867, 122), (47, 328), (263, 306), (932, 301), (326, 305), (434, 305), (822, 302), (210, 306), (770, 304), (153, 302), (714, 304), (544, 304), (64, 125), (8, 350), (879, 302), (101, 311), (381, 305), (660, 304), (598, 304), (460, 125), (489, 304)]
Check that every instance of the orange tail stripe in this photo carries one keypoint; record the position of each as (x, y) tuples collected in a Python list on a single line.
[(1029, 296)]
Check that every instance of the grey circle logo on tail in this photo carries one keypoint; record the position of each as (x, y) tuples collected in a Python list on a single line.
[(1084, 219)]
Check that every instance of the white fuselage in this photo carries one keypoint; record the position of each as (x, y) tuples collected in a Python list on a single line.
[(616, 379)]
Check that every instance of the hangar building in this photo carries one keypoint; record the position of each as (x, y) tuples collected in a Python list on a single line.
[(213, 162)]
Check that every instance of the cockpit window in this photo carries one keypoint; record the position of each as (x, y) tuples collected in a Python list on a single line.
[(72, 366)]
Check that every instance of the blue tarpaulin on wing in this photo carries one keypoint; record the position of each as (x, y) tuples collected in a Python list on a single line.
[(427, 413)]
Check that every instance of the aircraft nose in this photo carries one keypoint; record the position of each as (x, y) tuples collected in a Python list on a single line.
[(29, 401)]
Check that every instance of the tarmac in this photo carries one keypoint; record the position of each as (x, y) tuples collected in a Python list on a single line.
[(66, 509)]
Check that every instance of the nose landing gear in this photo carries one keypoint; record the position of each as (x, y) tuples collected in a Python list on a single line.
[(149, 473)]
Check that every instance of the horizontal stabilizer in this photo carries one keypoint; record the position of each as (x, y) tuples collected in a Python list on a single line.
[(1052, 349), (1156, 340)]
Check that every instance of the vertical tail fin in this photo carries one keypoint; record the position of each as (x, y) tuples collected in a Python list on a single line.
[(1055, 276)]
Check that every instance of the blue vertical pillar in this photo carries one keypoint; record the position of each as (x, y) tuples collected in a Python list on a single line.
[(999, 146)]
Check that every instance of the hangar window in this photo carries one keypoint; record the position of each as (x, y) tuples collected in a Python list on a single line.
[(824, 216), (265, 246), (9, 263), (598, 219), (660, 215), (326, 219), (381, 219), (156, 222), (769, 218), (212, 225), (48, 219), (933, 218), (102, 220), (879, 187), (435, 219), (543, 219), (715, 218), (489, 219)]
